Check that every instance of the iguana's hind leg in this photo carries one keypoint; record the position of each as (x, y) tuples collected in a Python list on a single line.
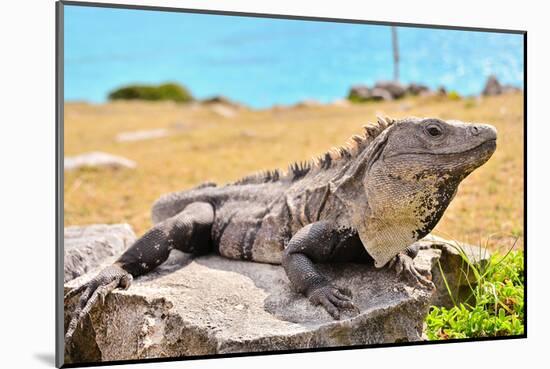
[(188, 231), (315, 243)]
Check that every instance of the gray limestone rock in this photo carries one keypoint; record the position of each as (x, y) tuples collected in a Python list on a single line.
[(86, 247), (213, 305)]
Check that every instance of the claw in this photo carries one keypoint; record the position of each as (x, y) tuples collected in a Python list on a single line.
[(404, 264), (399, 266), (346, 291), (74, 291), (333, 299), (98, 287)]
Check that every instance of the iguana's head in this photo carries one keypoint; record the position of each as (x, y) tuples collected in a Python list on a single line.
[(417, 150), (409, 175)]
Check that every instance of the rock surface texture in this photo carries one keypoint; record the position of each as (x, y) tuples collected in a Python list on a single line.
[(86, 247), (212, 305)]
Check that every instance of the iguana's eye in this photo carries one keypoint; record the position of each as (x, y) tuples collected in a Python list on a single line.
[(434, 130)]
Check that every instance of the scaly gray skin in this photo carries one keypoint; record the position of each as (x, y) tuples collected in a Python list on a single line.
[(367, 201)]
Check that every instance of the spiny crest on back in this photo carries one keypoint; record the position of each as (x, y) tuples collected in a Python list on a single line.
[(332, 158), (260, 177)]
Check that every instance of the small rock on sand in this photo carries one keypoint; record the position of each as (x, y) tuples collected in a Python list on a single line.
[(308, 103), (223, 111), (142, 135), (97, 159), (343, 103)]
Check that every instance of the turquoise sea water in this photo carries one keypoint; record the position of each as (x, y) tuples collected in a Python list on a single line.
[(261, 62)]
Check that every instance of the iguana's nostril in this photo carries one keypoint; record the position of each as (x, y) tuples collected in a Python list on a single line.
[(475, 130)]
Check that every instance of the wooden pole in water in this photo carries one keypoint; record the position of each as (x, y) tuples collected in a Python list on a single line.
[(395, 53)]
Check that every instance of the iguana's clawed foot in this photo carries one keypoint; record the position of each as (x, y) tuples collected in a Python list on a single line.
[(404, 266), (333, 299), (98, 287)]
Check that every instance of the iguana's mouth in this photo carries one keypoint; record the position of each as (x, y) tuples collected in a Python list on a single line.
[(490, 144)]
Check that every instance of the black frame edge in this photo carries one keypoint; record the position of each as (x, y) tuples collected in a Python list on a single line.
[(525, 278), (59, 180), (286, 352), (285, 16)]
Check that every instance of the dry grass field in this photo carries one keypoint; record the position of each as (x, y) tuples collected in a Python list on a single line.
[(208, 144)]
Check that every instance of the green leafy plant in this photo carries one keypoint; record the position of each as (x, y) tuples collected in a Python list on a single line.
[(495, 307), (166, 91)]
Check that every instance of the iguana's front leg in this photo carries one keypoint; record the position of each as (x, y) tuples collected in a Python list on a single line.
[(403, 264), (315, 243)]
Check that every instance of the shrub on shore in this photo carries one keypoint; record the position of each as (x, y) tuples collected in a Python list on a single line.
[(165, 91)]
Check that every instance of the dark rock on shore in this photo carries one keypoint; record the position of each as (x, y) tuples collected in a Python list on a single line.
[(395, 89), (493, 87), (377, 94), (417, 89), (359, 93), (385, 90)]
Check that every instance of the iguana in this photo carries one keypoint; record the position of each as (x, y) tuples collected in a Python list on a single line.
[(368, 200)]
